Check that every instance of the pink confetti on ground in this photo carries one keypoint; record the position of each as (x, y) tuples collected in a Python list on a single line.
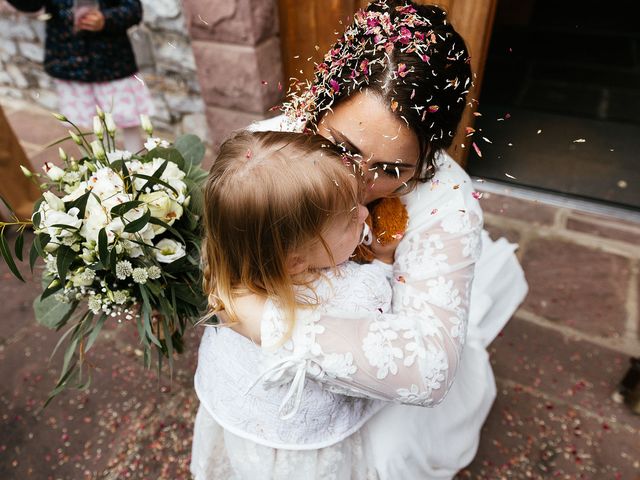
[(476, 195)]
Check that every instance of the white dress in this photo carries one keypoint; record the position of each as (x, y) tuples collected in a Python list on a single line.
[(414, 355), (246, 431)]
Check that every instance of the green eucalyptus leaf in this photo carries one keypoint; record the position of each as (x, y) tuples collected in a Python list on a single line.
[(125, 207), (103, 247), (139, 223), (80, 203), (51, 313), (191, 148), (18, 247), (151, 180), (64, 258), (95, 332), (8, 256), (169, 154)]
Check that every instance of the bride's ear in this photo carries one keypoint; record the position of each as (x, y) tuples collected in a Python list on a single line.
[(297, 263)]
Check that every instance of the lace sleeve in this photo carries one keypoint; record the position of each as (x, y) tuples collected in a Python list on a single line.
[(409, 355)]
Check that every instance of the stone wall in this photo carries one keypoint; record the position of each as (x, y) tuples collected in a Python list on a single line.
[(162, 47)]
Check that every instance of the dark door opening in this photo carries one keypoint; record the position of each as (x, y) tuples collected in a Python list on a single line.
[(561, 100)]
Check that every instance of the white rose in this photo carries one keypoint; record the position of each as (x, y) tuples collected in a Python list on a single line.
[(54, 172), (168, 251), (162, 207)]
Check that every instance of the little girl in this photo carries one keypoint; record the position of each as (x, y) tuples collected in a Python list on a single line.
[(281, 211), (89, 56)]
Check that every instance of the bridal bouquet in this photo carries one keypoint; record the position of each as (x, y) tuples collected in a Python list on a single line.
[(120, 239)]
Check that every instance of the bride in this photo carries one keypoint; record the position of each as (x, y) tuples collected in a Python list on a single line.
[(391, 93)]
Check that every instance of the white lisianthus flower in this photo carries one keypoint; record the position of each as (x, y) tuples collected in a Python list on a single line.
[(98, 150), (54, 201), (111, 125), (146, 125), (162, 207), (140, 275), (118, 155), (50, 217), (97, 127), (76, 192), (96, 219), (54, 172), (154, 142), (88, 256), (168, 251), (123, 269)]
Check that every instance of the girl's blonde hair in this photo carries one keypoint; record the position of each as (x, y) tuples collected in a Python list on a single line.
[(268, 195)]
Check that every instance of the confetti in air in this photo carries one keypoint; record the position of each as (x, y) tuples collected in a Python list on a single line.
[(580, 140), (477, 149), (510, 176)]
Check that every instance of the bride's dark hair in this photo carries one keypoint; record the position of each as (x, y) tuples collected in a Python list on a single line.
[(411, 57)]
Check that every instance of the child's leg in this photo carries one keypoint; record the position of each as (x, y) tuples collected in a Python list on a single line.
[(132, 139)]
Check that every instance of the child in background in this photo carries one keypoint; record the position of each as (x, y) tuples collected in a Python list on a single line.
[(89, 56), (282, 220)]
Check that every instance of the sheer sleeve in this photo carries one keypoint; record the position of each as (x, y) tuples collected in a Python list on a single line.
[(408, 355)]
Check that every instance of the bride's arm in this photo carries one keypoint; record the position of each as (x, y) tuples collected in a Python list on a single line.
[(410, 355)]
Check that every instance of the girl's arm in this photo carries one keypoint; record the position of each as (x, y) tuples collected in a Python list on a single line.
[(119, 19), (410, 355), (27, 5)]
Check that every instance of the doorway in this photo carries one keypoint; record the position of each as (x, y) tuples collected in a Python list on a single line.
[(560, 102)]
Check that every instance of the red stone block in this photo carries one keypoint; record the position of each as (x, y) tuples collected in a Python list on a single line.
[(245, 22), (239, 77), (223, 122), (524, 210), (580, 287), (605, 227)]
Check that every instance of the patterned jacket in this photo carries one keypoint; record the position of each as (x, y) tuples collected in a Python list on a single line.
[(88, 56)]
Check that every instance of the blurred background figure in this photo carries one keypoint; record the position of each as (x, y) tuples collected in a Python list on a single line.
[(15, 188), (90, 57)]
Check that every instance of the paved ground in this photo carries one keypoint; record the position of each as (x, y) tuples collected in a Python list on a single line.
[(556, 364)]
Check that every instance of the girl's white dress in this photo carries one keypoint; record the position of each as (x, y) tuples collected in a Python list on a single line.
[(429, 351)]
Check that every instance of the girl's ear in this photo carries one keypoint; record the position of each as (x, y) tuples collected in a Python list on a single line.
[(297, 263)]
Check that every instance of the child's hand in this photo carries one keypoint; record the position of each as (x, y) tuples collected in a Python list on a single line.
[(386, 253), (92, 21)]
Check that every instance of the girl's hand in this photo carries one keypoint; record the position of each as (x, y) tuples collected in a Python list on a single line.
[(385, 253), (92, 21)]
